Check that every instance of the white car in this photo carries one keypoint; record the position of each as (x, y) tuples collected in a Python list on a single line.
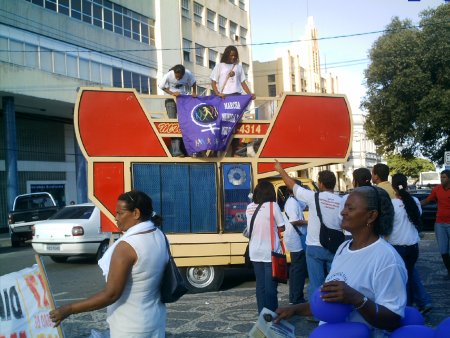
[(72, 231)]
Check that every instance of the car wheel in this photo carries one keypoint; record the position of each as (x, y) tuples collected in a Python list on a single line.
[(59, 259), (203, 278), (101, 250)]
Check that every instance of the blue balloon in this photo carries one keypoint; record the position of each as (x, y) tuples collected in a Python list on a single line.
[(443, 329), (341, 330), (327, 311), (413, 331), (412, 317)]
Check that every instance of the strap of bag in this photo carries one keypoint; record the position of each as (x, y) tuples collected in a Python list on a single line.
[(253, 221), (272, 230), (226, 80), (319, 213), (167, 244), (294, 226)]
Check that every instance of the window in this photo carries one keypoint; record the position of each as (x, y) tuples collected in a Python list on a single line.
[(272, 90), (50, 4), (271, 78), (4, 55), (107, 75), (245, 67), (201, 91), (60, 62), (233, 30), (118, 24), (242, 4), (84, 69), (16, 52), (187, 50), (198, 13), (222, 25), (144, 31), (97, 15), (211, 19), (87, 11), (31, 56), (243, 34), (145, 86), (136, 29), (95, 72), (108, 18), (72, 65), (212, 58), (232, 2), (185, 9), (153, 86), (76, 9), (199, 54), (127, 79), (63, 7), (127, 26), (46, 59)]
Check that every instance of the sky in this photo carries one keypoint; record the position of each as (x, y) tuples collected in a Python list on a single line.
[(287, 20)]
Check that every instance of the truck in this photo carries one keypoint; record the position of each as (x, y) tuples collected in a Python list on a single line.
[(428, 179), (28, 209), (202, 200)]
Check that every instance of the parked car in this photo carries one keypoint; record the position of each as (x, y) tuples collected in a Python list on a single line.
[(29, 209), (428, 211), (72, 231)]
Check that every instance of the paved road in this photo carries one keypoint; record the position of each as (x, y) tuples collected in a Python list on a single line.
[(232, 312)]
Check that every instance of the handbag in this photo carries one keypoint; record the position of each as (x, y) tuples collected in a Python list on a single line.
[(329, 238), (173, 286), (249, 235), (279, 261)]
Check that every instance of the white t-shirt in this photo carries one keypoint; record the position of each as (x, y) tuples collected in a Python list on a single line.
[(404, 232), (329, 207), (220, 74), (182, 85), (377, 271), (293, 211), (260, 242)]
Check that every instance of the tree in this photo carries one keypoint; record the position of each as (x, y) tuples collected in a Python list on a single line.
[(408, 87), (411, 167)]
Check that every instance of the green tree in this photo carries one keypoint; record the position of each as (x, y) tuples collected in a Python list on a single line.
[(410, 167), (408, 87)]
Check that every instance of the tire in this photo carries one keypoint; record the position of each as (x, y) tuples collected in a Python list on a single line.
[(101, 250), (59, 259), (203, 278)]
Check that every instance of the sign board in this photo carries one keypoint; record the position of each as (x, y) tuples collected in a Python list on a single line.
[(447, 158)]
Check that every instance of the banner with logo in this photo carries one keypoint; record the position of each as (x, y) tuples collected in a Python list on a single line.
[(207, 122), (25, 303)]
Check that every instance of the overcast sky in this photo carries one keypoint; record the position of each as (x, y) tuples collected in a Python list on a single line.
[(345, 57)]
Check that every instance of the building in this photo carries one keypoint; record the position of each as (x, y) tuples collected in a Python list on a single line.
[(49, 48)]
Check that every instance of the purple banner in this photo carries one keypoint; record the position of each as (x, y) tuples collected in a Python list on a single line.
[(207, 122)]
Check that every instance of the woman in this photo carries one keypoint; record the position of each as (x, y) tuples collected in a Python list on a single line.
[(133, 268), (366, 271), (405, 237), (228, 77), (260, 246)]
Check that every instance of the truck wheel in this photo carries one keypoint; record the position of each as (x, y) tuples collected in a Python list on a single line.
[(203, 278), (15, 240), (101, 250), (59, 259)]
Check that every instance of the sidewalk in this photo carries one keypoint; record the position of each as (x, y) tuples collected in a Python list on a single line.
[(5, 240), (232, 313)]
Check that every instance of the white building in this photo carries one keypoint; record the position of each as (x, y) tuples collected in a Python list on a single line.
[(49, 48)]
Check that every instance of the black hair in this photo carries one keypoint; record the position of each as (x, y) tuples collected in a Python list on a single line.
[(264, 192), (136, 199), (378, 199), (400, 183), (382, 171), (362, 177), (178, 69), (327, 178), (226, 54), (446, 172)]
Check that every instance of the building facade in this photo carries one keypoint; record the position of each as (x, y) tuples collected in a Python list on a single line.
[(49, 48)]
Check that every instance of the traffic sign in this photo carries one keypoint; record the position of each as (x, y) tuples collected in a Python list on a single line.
[(447, 158)]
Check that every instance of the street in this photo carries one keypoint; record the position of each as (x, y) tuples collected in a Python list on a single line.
[(230, 312)]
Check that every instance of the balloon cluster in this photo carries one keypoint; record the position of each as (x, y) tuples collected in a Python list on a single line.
[(335, 315)]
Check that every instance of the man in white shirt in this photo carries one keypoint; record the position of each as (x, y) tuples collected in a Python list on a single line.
[(178, 80), (295, 229), (318, 259)]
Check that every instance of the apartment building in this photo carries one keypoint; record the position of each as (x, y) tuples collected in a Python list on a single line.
[(49, 48)]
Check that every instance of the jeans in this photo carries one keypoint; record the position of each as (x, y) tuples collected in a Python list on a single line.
[(297, 276), (442, 231), (266, 288), (318, 260), (420, 295), (171, 108), (409, 253)]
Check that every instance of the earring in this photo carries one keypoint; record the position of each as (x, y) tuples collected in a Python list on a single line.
[(368, 224)]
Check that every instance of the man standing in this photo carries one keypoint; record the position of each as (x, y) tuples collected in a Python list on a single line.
[(380, 174), (295, 230), (318, 259), (441, 194), (178, 80)]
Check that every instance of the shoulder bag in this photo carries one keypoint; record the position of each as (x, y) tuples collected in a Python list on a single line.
[(279, 262), (173, 286), (249, 235), (329, 238)]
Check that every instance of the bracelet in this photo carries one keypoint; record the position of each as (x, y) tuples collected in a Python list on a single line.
[(365, 299)]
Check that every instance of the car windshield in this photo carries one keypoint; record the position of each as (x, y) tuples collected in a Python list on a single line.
[(80, 212)]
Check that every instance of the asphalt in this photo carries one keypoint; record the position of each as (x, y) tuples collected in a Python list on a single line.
[(232, 313)]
